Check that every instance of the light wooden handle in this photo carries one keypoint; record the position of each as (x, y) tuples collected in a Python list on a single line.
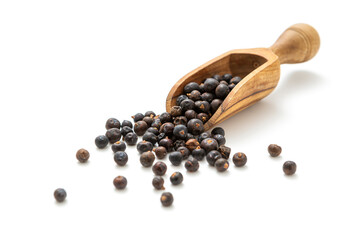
[(299, 43)]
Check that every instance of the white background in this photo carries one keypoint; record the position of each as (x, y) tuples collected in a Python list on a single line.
[(67, 66)]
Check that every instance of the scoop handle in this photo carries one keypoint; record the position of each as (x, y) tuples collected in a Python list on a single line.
[(299, 43)]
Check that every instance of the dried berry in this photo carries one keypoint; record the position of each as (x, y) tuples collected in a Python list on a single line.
[(152, 130), (209, 144), (187, 104), (120, 182), (180, 131), (231, 86), (180, 120), (206, 96), (210, 84), (176, 178), (212, 156), (195, 126), (150, 114), (191, 144), (144, 146), (167, 128), (190, 136), (289, 167), (148, 121), (126, 123), (131, 139), (198, 153), (138, 117), (217, 77), (184, 152), (167, 199), (112, 123), (224, 82), (158, 183), (82, 155), (167, 143), (159, 168), (179, 143), (202, 106), (201, 86), (191, 87), (175, 111), (274, 150), (113, 134), (150, 137), (203, 117), (118, 146), (60, 194), (221, 165), (218, 130), (175, 158), (239, 159), (140, 128), (225, 151), (220, 139), (120, 158), (195, 95), (227, 77), (165, 117), (215, 104), (147, 159), (156, 123), (125, 130), (180, 99), (222, 91), (235, 80), (160, 152), (190, 114), (101, 141), (192, 165)]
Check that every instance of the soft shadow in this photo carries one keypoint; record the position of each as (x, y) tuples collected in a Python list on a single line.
[(259, 117), (83, 164), (242, 169), (61, 204), (121, 191), (291, 177)]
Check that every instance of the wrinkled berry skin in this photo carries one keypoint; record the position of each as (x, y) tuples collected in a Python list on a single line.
[(166, 199), (210, 85), (190, 114), (165, 117), (192, 165), (192, 144), (120, 182), (274, 150), (209, 144), (225, 151), (175, 158), (159, 168), (187, 104), (148, 121), (203, 136), (113, 134), (152, 130), (221, 165), (101, 141), (150, 114), (185, 152), (112, 123), (289, 167), (195, 126), (131, 139), (181, 120), (125, 130), (158, 183), (121, 158), (82, 155), (239, 159), (212, 156), (175, 111), (118, 146), (60, 194), (198, 153), (147, 159), (167, 128), (220, 139), (176, 178), (180, 99), (144, 146), (167, 143)]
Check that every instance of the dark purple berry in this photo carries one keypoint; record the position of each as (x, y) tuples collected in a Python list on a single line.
[(209, 144), (112, 123), (222, 91), (235, 80), (191, 87), (167, 128), (125, 130), (221, 165), (150, 137), (180, 131), (225, 151), (101, 141), (127, 123), (185, 152), (202, 106), (113, 134), (210, 84), (215, 104), (198, 153), (159, 168), (190, 114), (140, 127), (158, 183), (138, 117), (187, 104), (195, 95), (152, 130), (227, 77), (165, 117), (180, 120), (148, 121), (176, 178), (144, 146), (120, 158), (60, 194), (175, 158), (289, 167), (203, 117), (220, 139), (120, 182), (150, 114), (180, 99), (206, 96), (218, 130), (195, 126), (166, 199), (212, 156), (118, 146), (192, 165), (160, 152), (239, 159), (147, 159)]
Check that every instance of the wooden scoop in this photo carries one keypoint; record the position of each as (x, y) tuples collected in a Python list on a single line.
[(259, 68)]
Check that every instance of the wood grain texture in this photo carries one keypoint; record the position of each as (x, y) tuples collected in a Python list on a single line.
[(259, 68)]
